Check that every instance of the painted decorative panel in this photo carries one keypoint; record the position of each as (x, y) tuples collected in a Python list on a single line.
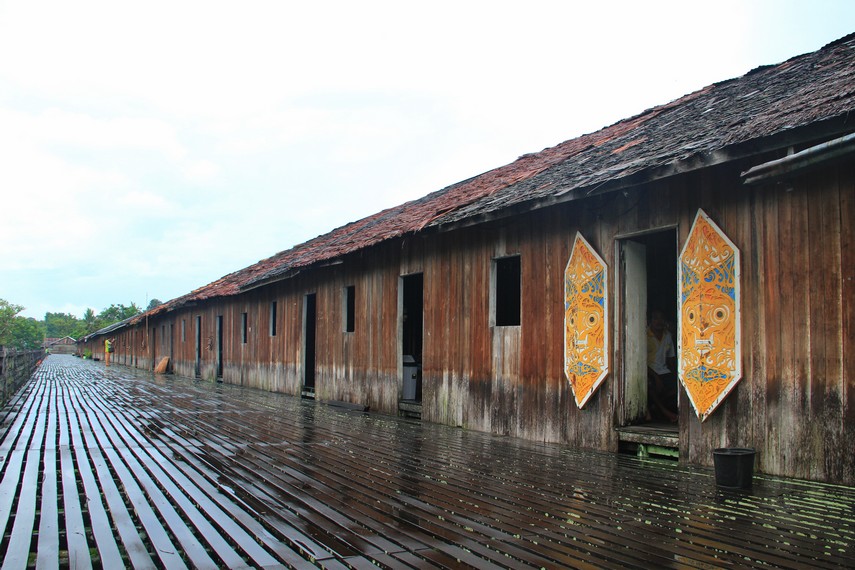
[(585, 321), (708, 340)]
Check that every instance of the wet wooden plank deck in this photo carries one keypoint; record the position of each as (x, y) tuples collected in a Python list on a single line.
[(113, 468)]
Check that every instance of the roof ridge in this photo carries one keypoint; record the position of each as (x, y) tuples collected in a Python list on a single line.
[(764, 101)]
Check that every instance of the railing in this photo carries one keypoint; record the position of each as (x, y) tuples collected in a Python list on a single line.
[(16, 367)]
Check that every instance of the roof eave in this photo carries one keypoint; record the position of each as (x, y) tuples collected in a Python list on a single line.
[(777, 142)]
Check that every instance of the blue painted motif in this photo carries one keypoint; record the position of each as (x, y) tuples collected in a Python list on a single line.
[(704, 373)]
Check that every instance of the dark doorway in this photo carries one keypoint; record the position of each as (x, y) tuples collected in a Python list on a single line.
[(412, 327), (198, 367), (220, 347), (310, 323), (153, 348), (648, 285)]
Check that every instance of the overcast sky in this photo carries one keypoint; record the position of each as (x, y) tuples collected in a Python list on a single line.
[(149, 148)]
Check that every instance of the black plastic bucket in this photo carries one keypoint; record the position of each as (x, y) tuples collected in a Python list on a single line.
[(734, 467)]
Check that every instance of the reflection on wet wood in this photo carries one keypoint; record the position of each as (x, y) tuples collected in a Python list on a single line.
[(114, 468)]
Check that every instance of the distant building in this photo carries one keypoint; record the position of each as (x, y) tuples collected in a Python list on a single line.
[(64, 345)]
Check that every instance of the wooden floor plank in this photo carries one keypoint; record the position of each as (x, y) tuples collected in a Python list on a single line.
[(18, 553), (322, 509), (48, 542), (136, 488), (326, 517), (531, 556), (97, 480), (77, 542), (225, 476), (297, 540), (184, 494), (14, 457), (234, 521)]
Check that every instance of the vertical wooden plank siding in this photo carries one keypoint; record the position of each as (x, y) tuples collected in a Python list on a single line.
[(774, 302), (795, 402), (799, 371), (826, 397), (754, 302), (847, 274)]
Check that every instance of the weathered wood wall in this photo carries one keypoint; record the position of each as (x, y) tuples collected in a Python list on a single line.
[(795, 403)]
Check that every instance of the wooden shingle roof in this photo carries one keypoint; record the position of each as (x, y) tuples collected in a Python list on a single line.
[(805, 98)]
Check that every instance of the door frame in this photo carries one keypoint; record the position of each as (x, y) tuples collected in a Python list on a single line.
[(198, 346), (402, 280), (219, 333), (631, 404), (310, 318)]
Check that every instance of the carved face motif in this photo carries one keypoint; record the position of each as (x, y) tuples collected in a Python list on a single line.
[(584, 321), (709, 320), (709, 316)]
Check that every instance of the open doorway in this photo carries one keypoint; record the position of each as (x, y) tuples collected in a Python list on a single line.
[(412, 325), (648, 277), (219, 348), (310, 321), (152, 350), (198, 348)]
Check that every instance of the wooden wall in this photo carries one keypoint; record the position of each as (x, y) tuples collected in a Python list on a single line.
[(795, 403)]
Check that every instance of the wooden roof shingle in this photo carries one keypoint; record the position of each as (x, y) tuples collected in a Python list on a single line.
[(723, 121)]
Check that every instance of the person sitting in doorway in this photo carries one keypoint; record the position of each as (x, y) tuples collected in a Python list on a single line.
[(661, 361)]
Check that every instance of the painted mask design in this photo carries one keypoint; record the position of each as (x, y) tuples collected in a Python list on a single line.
[(585, 315), (710, 361)]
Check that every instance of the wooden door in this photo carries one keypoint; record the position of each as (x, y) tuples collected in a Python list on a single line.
[(633, 258)]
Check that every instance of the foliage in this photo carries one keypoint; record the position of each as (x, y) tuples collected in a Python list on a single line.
[(116, 313), (58, 325), (17, 331), (8, 313), (27, 333), (89, 323), (153, 304)]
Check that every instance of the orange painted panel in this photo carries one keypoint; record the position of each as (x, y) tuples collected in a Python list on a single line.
[(708, 341), (585, 321)]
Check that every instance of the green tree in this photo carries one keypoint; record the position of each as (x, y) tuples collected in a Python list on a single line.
[(90, 321), (154, 303), (8, 312), (116, 313), (27, 333), (58, 325)]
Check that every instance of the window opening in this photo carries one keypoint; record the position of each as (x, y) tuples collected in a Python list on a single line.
[(508, 291)]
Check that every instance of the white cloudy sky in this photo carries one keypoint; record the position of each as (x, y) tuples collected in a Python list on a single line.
[(149, 148)]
